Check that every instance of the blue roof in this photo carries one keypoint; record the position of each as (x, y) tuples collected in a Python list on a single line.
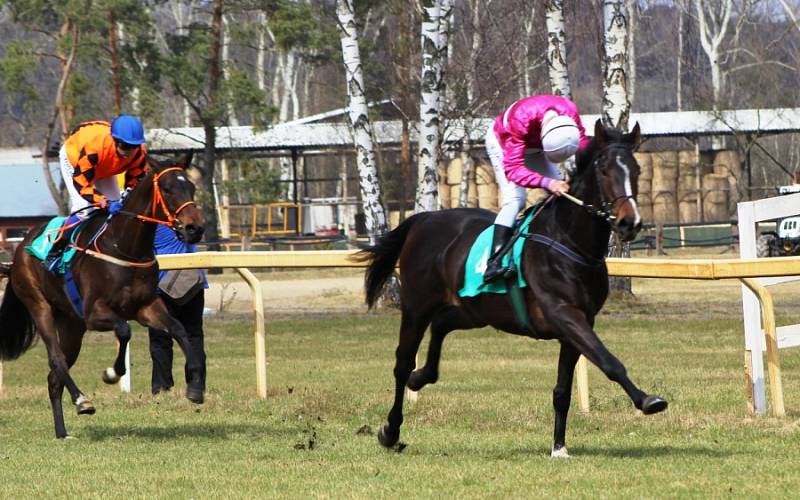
[(23, 189)]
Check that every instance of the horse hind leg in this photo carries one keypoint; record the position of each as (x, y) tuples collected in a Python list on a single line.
[(412, 329), (442, 323), (112, 374)]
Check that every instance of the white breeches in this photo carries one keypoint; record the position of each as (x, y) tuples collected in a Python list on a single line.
[(512, 195), (108, 186)]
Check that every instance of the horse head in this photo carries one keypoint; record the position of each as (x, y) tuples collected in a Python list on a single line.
[(173, 197), (609, 160)]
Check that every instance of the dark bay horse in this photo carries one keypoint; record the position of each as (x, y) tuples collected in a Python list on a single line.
[(116, 275), (562, 261)]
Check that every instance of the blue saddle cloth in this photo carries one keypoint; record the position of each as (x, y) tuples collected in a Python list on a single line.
[(479, 255), (42, 244)]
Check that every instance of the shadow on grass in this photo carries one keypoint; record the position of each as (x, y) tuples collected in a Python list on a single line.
[(183, 431), (648, 452)]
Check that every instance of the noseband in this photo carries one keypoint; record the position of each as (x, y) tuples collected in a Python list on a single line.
[(604, 211)]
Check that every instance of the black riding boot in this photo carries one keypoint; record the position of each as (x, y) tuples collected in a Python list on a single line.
[(55, 252), (494, 267)]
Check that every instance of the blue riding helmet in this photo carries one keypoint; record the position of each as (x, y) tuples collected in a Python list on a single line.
[(128, 129)]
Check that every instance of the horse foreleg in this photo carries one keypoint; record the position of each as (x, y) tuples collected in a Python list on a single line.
[(441, 324), (412, 330), (122, 330), (562, 395), (155, 315), (581, 335)]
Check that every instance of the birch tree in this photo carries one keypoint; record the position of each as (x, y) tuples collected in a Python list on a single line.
[(557, 48), (434, 52), (616, 106), (713, 21), (375, 216)]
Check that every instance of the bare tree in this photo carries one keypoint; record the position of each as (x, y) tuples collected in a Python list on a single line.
[(435, 22), (359, 120)]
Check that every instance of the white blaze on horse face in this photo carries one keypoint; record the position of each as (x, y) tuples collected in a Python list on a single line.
[(628, 190)]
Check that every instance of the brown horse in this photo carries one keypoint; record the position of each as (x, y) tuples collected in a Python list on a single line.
[(116, 275), (562, 262)]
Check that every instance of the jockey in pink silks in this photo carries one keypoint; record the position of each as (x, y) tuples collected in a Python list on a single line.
[(525, 146)]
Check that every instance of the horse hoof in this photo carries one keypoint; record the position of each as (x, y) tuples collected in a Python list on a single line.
[(559, 453), (653, 404), (85, 407), (195, 395), (110, 376), (415, 380), (388, 437)]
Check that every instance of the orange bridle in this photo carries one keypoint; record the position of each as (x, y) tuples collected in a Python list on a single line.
[(158, 202)]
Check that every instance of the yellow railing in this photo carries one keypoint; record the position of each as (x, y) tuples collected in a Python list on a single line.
[(700, 269), (264, 220)]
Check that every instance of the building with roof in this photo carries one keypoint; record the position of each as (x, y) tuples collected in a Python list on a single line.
[(25, 200)]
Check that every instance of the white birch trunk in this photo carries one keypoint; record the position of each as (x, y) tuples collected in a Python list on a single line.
[(182, 20), (261, 52), (557, 48), (633, 17), (375, 216), (527, 67), (427, 198), (713, 20), (679, 63), (616, 106)]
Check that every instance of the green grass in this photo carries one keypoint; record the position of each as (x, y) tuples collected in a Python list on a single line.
[(484, 431)]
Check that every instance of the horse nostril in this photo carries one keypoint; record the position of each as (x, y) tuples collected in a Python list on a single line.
[(194, 230)]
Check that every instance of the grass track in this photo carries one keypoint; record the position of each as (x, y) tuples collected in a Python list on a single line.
[(483, 431)]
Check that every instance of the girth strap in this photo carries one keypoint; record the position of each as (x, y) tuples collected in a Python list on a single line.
[(564, 250)]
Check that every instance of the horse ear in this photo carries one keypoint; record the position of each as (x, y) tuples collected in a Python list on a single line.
[(634, 138), (600, 135), (185, 160)]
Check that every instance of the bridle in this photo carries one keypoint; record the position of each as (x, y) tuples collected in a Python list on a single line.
[(158, 202), (604, 211)]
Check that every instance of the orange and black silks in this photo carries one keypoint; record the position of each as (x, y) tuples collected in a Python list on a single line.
[(93, 155)]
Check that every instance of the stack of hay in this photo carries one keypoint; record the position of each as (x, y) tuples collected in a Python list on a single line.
[(664, 187), (688, 186), (482, 189), (644, 197), (715, 197), (727, 163)]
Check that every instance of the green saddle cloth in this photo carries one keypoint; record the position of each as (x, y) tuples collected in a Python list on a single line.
[(41, 246), (479, 255)]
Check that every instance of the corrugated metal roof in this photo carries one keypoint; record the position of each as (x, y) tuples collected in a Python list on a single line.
[(23, 190), (332, 135)]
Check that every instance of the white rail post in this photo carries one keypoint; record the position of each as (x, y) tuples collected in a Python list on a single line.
[(753, 339)]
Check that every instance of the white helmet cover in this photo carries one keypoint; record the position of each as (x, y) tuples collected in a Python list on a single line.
[(560, 137)]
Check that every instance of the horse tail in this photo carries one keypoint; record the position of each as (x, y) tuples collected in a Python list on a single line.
[(381, 258), (17, 331)]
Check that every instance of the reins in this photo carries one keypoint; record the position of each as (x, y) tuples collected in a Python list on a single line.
[(158, 202)]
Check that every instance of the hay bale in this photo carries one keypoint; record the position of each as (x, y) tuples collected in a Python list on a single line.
[(444, 195), (688, 211), (472, 195), (455, 170), (665, 208), (484, 174), (487, 191), (665, 174), (716, 197), (394, 218), (534, 196), (645, 165), (455, 195), (644, 186), (688, 162), (645, 204), (727, 162)]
